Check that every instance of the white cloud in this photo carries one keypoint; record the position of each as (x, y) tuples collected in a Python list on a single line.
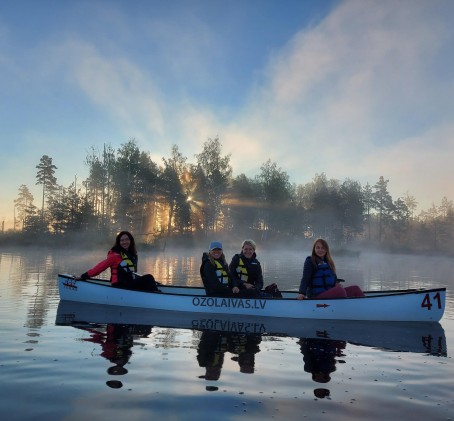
[(366, 92), (421, 165), (115, 84), (349, 95)]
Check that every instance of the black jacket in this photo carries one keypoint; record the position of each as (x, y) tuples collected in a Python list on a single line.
[(253, 267), (211, 282)]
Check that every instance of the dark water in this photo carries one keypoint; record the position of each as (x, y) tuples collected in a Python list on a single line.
[(57, 368)]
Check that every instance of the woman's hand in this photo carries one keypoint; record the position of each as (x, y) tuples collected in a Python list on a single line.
[(300, 297)]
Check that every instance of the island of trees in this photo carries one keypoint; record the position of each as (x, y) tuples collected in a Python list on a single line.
[(177, 202)]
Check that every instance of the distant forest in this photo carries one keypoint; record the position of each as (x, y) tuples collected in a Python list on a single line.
[(177, 202)]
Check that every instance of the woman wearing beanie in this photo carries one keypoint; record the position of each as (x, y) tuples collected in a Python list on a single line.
[(216, 276)]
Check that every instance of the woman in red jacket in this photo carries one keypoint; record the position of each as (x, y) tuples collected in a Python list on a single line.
[(122, 261)]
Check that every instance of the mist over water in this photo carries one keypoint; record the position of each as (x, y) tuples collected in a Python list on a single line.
[(370, 270)]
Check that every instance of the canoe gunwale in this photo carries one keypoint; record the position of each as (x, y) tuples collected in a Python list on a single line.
[(369, 294)]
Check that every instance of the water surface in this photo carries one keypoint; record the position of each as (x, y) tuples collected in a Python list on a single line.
[(71, 369)]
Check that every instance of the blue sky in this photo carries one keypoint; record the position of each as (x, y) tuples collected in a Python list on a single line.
[(355, 89)]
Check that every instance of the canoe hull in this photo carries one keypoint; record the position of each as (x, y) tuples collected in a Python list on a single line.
[(419, 337), (412, 305)]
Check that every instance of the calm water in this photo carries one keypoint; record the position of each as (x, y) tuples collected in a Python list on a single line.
[(90, 370)]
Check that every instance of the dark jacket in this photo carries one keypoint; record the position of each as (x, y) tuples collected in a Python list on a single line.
[(211, 281), (253, 268), (311, 272)]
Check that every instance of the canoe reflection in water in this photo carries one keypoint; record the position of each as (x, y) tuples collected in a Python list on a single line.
[(214, 344), (116, 343), (322, 342), (320, 359)]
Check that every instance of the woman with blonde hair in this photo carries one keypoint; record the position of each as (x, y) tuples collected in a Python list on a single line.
[(247, 271), (245, 267)]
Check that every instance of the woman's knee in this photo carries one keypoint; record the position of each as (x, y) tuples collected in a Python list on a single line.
[(354, 291), (335, 292)]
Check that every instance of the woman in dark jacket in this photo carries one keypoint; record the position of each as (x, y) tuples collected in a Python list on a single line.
[(216, 275), (247, 271), (319, 276), (245, 268)]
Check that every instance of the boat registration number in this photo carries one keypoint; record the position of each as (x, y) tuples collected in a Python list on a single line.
[(428, 302)]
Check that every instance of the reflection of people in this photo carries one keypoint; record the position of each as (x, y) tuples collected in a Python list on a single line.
[(210, 354), (247, 271), (216, 276), (122, 261), (319, 276), (320, 360), (116, 343), (245, 346), (214, 344)]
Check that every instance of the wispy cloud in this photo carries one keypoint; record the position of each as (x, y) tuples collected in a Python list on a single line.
[(355, 89), (364, 92)]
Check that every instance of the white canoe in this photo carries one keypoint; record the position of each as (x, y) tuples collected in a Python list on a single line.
[(402, 305), (418, 337)]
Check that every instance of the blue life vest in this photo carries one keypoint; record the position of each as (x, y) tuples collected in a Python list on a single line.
[(322, 280)]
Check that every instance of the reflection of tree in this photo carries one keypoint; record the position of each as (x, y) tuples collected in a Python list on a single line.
[(319, 356), (212, 348), (39, 302)]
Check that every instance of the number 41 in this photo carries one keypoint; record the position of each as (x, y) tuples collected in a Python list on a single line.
[(428, 304)]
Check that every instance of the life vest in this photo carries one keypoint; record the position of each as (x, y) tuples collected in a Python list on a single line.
[(125, 269), (322, 280), (221, 273), (241, 270)]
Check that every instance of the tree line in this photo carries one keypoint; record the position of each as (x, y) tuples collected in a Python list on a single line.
[(180, 200)]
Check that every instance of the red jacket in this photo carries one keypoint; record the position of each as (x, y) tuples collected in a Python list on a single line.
[(113, 261)]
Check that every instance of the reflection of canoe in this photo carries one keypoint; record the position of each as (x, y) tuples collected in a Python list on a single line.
[(427, 337), (403, 305)]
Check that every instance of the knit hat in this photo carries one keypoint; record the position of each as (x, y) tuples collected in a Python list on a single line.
[(215, 245)]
